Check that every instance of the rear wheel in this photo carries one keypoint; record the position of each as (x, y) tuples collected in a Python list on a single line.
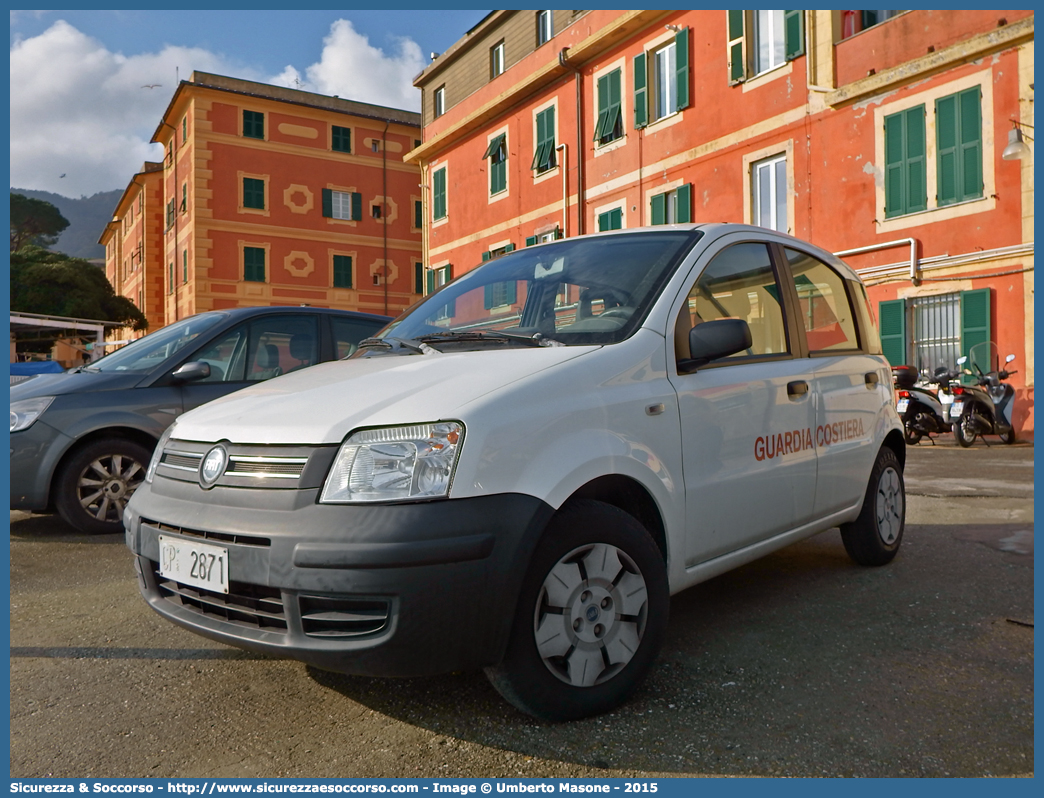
[(95, 484), (912, 436), (875, 536), (964, 430), (591, 616), (1009, 436)]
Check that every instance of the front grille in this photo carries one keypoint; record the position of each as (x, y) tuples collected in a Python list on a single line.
[(183, 461), (220, 537), (278, 467), (323, 616), (253, 606)]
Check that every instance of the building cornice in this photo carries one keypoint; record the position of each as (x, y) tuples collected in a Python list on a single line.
[(971, 49)]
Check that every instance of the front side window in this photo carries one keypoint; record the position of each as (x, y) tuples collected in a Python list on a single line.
[(253, 193), (253, 124), (672, 207), (906, 190), (496, 59), (544, 156), (544, 27), (254, 264), (610, 121), (341, 139), (768, 183), (740, 283), (148, 352), (438, 195), (496, 152), (826, 308), (346, 205)]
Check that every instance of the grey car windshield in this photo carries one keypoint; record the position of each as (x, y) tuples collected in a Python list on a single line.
[(148, 352), (582, 291)]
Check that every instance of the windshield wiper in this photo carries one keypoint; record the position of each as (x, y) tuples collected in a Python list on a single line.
[(402, 343), (536, 339)]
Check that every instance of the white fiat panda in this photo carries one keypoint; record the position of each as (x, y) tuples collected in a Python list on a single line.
[(518, 472)]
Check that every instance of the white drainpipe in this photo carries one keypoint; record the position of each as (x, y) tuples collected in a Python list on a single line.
[(915, 276)]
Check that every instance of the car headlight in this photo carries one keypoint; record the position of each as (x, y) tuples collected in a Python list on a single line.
[(395, 463), (25, 411), (157, 455)]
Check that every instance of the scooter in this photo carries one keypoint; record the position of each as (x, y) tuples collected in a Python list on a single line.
[(984, 408), (923, 413)]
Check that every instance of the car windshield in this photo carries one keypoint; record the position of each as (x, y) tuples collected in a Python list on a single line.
[(148, 352), (581, 291)]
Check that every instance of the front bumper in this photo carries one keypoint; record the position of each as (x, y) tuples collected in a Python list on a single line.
[(35, 453), (378, 590)]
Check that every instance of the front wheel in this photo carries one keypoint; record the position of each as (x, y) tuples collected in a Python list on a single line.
[(875, 536), (591, 616), (912, 436), (1009, 436), (964, 430), (96, 482)]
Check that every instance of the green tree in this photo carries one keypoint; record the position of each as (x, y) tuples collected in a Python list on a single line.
[(34, 221), (53, 284)]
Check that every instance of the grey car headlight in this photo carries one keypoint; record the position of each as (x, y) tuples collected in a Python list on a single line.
[(157, 455), (25, 411), (395, 463)]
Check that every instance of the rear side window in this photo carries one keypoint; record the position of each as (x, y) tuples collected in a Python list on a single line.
[(826, 310), (263, 348)]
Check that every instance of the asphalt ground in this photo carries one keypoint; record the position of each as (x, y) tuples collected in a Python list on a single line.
[(800, 664)]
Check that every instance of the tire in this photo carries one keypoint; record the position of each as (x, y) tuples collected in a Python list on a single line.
[(910, 435), (964, 430), (606, 577), (875, 536), (93, 486), (1009, 436)]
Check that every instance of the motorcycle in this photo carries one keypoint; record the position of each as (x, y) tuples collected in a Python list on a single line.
[(986, 407), (923, 412)]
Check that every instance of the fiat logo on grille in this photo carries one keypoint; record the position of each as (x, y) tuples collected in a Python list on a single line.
[(213, 466)]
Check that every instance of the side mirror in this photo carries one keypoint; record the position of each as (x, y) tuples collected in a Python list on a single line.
[(1009, 358), (711, 340), (961, 361), (192, 371)]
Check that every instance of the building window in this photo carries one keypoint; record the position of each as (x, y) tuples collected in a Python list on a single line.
[(905, 173), (661, 80), (170, 277), (759, 41), (544, 157), (375, 145), (171, 211), (852, 22), (440, 101), (610, 220), (253, 124), (958, 146), (438, 198), (610, 121), (253, 193), (496, 152), (346, 205), (418, 214), (184, 197), (184, 129), (672, 207), (375, 211), (544, 26), (184, 266), (931, 331), (418, 278), (342, 271), (768, 188), (496, 59), (254, 264), (341, 139)]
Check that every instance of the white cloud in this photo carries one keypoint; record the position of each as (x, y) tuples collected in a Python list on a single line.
[(80, 109)]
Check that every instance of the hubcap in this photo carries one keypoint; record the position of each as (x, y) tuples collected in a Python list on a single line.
[(106, 485), (889, 506), (590, 615)]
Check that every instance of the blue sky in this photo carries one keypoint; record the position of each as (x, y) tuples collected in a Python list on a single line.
[(85, 71)]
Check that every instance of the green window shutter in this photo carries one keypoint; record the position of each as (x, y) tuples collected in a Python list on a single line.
[(253, 125), (610, 220), (603, 108), (356, 206), (641, 93), (975, 320), (327, 203), (916, 160), (184, 265), (431, 281), (946, 159), (342, 271), (418, 214), (170, 276), (418, 278), (737, 47), (681, 72), (254, 264), (793, 34), (439, 195), (509, 248), (659, 209), (493, 146), (531, 240), (970, 160), (341, 139), (684, 206), (486, 256), (544, 156), (253, 193), (892, 320), (893, 132), (487, 301), (906, 189)]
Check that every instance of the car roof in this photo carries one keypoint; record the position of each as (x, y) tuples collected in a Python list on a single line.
[(238, 313)]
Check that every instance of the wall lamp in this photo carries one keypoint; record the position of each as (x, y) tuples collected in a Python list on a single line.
[(1017, 148), (675, 28)]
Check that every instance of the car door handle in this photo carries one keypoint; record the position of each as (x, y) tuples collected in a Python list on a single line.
[(797, 388), (870, 378)]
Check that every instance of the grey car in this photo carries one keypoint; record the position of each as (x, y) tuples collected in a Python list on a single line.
[(80, 441)]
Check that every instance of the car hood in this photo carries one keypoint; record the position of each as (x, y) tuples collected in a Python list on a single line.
[(322, 404), (75, 382)]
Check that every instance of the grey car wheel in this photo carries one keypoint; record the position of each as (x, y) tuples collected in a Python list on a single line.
[(96, 482), (875, 536)]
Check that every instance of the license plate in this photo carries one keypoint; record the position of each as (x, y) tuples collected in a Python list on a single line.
[(901, 405), (956, 409), (196, 564)]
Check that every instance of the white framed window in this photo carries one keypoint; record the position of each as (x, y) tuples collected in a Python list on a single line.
[(665, 86), (544, 27), (769, 41), (496, 59), (440, 101), (341, 204), (768, 185)]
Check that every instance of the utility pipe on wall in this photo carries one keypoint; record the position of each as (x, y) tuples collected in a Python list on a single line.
[(915, 276)]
